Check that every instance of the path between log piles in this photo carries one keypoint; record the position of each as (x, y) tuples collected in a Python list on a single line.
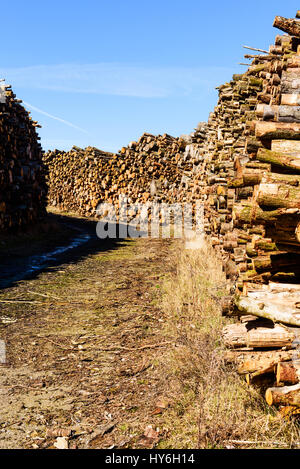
[(83, 352)]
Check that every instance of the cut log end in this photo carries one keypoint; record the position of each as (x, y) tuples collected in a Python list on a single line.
[(269, 397)]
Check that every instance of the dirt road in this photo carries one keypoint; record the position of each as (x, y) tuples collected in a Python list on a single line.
[(84, 340)]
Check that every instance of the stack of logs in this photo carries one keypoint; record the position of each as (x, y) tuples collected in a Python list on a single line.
[(244, 164), (155, 168), (22, 183), (252, 201)]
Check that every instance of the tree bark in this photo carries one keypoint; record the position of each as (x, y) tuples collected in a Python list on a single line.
[(276, 195), (288, 372), (277, 130), (287, 25), (283, 160)]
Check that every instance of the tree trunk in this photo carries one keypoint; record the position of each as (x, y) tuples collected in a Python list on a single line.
[(276, 195), (251, 213), (288, 395), (278, 113), (290, 99), (291, 162), (263, 362), (277, 130)]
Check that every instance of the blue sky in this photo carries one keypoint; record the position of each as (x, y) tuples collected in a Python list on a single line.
[(101, 73)]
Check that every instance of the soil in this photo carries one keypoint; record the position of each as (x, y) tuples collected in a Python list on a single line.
[(84, 338)]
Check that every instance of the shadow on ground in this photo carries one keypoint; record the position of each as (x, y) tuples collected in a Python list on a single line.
[(60, 239)]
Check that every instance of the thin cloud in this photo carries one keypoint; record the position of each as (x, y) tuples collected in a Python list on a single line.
[(34, 108), (119, 79)]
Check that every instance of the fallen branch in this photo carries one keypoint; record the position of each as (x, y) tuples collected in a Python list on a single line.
[(268, 443), (127, 349), (42, 294)]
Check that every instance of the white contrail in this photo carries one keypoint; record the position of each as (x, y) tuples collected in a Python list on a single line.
[(34, 108)]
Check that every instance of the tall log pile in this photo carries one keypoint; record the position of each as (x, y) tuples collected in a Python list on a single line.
[(253, 215), (22, 183)]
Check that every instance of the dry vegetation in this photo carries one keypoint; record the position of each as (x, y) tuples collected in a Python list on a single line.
[(130, 333), (212, 405)]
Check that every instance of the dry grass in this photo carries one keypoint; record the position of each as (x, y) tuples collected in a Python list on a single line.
[(212, 405)]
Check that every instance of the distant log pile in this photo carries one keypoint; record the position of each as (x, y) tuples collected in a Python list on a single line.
[(153, 168), (23, 189)]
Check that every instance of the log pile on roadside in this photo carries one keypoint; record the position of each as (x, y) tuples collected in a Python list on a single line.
[(253, 216), (23, 189), (153, 169)]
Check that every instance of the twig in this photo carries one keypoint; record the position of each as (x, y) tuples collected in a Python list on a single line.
[(257, 50), (133, 349), (55, 343), (22, 301), (269, 443), (46, 296)]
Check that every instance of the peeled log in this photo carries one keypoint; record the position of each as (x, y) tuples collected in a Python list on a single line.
[(286, 146), (281, 311), (288, 372), (290, 99), (288, 395), (280, 159), (277, 130), (252, 335), (287, 25)]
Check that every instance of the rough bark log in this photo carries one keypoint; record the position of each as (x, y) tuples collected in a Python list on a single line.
[(276, 195), (277, 130), (291, 162), (278, 113), (251, 213), (287, 25)]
